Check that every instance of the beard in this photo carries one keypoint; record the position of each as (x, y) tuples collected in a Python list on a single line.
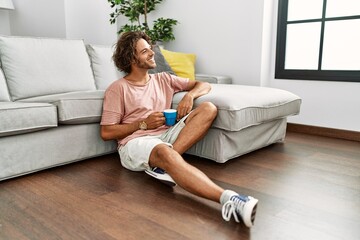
[(146, 64)]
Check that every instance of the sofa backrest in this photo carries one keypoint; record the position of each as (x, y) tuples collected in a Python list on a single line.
[(4, 94), (42, 66), (105, 71)]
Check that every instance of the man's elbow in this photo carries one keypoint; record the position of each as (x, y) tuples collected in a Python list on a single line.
[(203, 85), (104, 135), (206, 86)]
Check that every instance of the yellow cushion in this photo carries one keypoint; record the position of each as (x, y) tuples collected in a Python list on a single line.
[(183, 64)]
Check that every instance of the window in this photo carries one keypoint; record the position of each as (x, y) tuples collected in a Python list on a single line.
[(318, 40)]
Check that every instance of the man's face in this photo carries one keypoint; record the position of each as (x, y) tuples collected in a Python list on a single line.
[(145, 55)]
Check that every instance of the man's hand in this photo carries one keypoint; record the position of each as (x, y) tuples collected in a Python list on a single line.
[(195, 89), (185, 105), (155, 120)]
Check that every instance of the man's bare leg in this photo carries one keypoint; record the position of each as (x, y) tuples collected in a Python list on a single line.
[(197, 125), (185, 175)]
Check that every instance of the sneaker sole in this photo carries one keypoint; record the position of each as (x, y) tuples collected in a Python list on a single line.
[(249, 216), (159, 177)]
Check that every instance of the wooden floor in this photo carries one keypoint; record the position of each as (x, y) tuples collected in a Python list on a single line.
[(308, 188)]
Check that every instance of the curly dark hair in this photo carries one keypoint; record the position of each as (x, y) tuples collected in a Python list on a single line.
[(125, 49)]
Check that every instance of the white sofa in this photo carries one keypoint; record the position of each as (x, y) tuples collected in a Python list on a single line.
[(51, 93)]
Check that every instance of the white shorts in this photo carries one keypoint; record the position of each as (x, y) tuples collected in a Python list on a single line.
[(135, 154)]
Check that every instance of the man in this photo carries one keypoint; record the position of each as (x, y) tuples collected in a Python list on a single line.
[(132, 114)]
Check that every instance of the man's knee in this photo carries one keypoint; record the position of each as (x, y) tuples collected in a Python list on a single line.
[(209, 109), (161, 156)]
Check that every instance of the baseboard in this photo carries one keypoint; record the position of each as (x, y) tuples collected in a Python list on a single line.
[(325, 132)]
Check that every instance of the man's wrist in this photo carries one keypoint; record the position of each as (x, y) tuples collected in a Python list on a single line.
[(142, 125), (189, 94)]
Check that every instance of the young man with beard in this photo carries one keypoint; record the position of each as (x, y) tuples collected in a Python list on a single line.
[(132, 114)]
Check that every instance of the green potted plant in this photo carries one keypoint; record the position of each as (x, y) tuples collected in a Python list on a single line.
[(137, 12)]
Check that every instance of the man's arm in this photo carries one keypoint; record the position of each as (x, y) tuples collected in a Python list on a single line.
[(195, 89), (120, 131)]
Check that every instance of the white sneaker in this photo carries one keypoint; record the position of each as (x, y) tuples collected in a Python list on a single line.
[(240, 206), (161, 175)]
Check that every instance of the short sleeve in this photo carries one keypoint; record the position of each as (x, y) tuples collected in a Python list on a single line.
[(178, 84), (112, 108)]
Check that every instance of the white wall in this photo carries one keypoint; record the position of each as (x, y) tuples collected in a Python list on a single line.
[(80, 19), (40, 18), (4, 22), (89, 20)]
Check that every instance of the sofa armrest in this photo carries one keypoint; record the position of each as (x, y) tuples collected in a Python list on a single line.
[(213, 78)]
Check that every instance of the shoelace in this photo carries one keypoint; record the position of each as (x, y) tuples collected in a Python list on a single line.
[(229, 208)]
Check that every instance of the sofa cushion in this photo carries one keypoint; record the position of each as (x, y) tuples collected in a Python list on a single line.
[(18, 117), (183, 64), (105, 71), (75, 107), (241, 106), (4, 94), (41, 66)]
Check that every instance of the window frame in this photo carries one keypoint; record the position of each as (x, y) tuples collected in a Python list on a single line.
[(323, 75)]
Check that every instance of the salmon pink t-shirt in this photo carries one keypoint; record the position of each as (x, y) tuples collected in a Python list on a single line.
[(125, 102)]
